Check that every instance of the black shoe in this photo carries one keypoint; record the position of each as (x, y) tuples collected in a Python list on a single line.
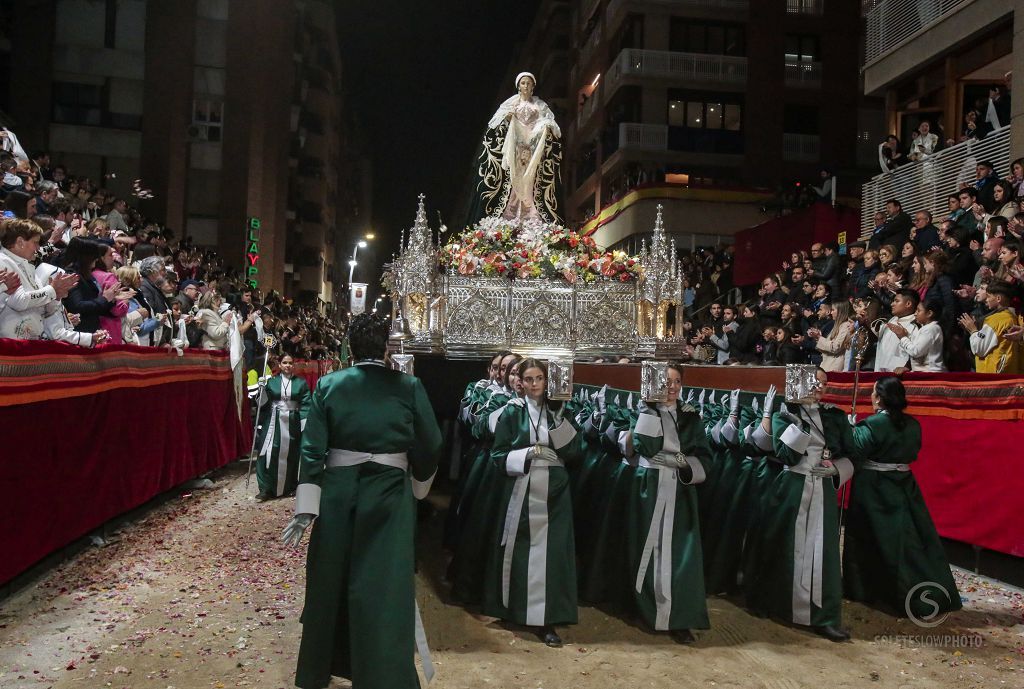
[(683, 636), (550, 637), (831, 633), (263, 497)]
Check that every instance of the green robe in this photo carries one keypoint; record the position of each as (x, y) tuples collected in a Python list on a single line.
[(766, 470), (464, 450), (530, 575), (479, 506), (732, 506), (662, 525), (892, 554), (359, 619), (606, 576), (283, 406), (798, 570)]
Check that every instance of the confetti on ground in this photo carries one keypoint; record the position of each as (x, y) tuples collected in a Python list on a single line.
[(198, 593)]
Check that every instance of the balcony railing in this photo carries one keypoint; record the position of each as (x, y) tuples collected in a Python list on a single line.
[(805, 6), (925, 184), (891, 22), (716, 69), (643, 137), (803, 74), (801, 148), (615, 6)]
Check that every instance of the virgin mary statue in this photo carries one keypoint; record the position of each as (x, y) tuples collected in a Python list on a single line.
[(519, 168)]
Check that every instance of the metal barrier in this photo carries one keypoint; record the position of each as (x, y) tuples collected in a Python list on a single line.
[(925, 184)]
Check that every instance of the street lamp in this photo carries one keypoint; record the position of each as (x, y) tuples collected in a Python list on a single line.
[(361, 244)]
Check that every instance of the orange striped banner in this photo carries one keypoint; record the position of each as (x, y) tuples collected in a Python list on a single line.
[(36, 371)]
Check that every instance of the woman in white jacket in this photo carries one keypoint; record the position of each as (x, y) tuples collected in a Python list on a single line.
[(216, 327), (836, 344)]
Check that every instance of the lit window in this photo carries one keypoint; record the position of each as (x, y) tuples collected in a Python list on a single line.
[(694, 114), (714, 116), (676, 113)]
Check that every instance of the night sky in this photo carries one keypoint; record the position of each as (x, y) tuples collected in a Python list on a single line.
[(424, 77)]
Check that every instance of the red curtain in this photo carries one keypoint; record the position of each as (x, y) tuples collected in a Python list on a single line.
[(972, 478), (71, 464), (760, 250)]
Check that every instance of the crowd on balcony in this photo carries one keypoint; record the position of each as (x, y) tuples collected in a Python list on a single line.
[(81, 265), (924, 293), (980, 118)]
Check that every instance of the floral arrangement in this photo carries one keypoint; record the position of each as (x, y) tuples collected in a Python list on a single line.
[(496, 247)]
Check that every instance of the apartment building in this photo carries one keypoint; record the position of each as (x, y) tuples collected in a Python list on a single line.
[(230, 110), (937, 62), (707, 107)]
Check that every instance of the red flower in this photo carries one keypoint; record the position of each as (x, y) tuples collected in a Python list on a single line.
[(624, 277), (630, 263), (480, 234), (501, 268), (524, 254), (516, 265), (497, 235)]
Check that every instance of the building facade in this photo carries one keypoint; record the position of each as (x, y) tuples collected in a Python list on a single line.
[(230, 110), (705, 106), (948, 63)]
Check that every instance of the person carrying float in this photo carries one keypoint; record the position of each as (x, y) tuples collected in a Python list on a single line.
[(799, 577), (662, 526), (530, 577)]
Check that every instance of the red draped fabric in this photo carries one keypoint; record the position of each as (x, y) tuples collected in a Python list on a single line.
[(969, 470), (312, 371), (761, 249), (84, 453)]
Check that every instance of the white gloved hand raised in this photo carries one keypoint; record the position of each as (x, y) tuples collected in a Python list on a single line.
[(788, 415), (769, 400), (734, 402), (292, 533)]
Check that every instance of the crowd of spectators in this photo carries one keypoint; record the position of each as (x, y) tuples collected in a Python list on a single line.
[(80, 265), (923, 293), (982, 117)]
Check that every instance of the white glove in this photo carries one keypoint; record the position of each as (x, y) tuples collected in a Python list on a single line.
[(769, 401), (700, 400), (788, 415), (755, 406), (629, 401), (734, 402), (852, 418), (292, 533), (825, 471), (543, 453), (689, 396), (642, 407), (600, 400), (725, 398)]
